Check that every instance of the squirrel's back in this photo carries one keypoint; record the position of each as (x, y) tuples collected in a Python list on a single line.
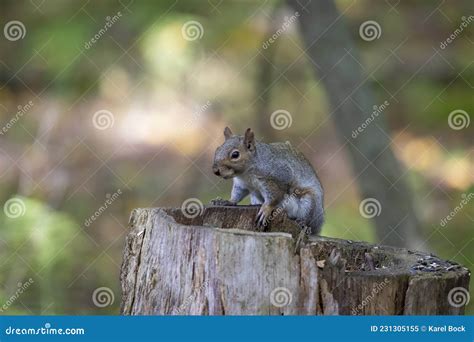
[(282, 160)]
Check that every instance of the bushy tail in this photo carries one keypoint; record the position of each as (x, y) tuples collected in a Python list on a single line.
[(316, 218)]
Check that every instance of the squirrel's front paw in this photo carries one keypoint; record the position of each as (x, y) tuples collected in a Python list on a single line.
[(221, 202), (263, 216)]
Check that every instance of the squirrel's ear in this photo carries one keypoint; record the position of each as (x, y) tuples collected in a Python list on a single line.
[(228, 133), (249, 140)]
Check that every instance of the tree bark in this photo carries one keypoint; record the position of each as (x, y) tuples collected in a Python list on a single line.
[(378, 172), (217, 264)]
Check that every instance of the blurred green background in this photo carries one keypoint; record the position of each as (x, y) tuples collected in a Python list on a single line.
[(163, 101)]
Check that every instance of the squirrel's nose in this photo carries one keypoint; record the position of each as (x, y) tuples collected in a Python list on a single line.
[(215, 169)]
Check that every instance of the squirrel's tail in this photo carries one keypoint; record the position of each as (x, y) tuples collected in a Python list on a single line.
[(316, 220), (316, 217)]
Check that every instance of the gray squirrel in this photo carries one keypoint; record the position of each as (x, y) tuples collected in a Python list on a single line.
[(275, 176)]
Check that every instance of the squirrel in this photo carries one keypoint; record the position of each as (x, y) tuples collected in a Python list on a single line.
[(275, 175)]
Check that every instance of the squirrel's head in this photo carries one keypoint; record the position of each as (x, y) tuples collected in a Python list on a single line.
[(234, 155)]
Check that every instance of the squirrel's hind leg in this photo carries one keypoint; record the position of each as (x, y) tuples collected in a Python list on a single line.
[(298, 208), (305, 211)]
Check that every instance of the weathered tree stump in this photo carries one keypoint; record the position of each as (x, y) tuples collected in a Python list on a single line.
[(217, 264)]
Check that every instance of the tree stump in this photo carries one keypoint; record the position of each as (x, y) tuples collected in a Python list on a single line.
[(215, 263)]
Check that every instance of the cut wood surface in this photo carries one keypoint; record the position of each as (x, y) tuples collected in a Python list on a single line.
[(216, 263)]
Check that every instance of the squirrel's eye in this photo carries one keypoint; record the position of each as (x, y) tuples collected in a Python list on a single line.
[(235, 154)]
